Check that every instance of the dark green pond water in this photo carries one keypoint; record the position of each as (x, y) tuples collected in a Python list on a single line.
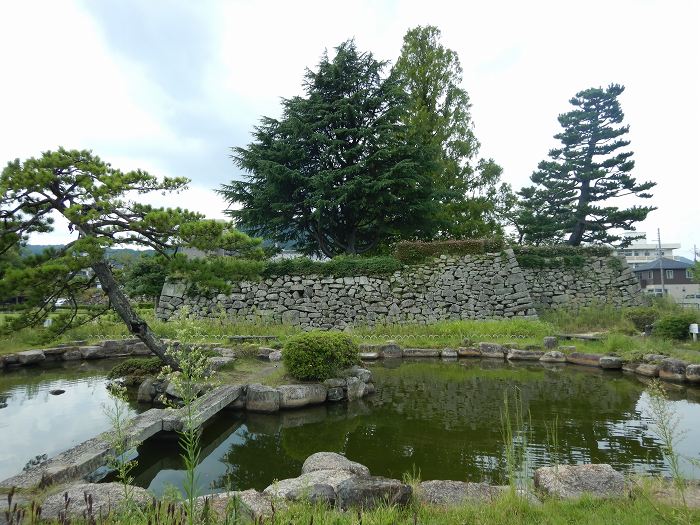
[(442, 419)]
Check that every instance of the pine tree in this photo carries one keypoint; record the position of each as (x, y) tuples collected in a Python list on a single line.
[(573, 189)]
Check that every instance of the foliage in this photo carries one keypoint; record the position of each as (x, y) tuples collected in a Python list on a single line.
[(642, 316), (214, 273), (557, 255), (136, 366), (572, 191), (339, 266), (91, 196), (336, 173), (438, 118), (675, 326), (413, 252), (146, 276), (319, 355)]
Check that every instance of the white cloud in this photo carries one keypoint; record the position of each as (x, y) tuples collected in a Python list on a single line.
[(169, 86)]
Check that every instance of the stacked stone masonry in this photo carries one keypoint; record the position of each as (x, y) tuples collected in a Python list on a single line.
[(450, 288)]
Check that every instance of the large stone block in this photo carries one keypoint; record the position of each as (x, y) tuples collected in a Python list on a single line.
[(673, 370), (372, 491), (30, 357), (261, 398), (492, 350), (579, 358), (295, 396), (332, 461), (573, 481)]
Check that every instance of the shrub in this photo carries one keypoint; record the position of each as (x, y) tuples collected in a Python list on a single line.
[(560, 256), (136, 366), (414, 252), (641, 316), (341, 266), (674, 326), (319, 355)]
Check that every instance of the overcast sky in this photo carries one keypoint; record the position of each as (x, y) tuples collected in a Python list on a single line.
[(170, 86)]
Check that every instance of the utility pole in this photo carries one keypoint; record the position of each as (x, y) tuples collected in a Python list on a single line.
[(661, 262)]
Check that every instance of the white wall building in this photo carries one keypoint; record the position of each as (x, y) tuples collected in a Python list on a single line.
[(642, 251)]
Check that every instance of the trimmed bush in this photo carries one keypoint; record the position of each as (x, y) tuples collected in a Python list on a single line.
[(414, 252), (675, 326), (137, 366), (641, 316), (319, 355), (560, 255), (341, 266)]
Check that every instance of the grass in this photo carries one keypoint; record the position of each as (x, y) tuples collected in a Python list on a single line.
[(620, 339)]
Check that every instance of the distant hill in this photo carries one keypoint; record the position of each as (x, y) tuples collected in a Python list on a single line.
[(34, 249)]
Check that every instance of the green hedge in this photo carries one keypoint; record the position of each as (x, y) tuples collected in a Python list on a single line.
[(557, 255), (413, 252), (317, 356), (341, 266), (137, 366), (675, 326)]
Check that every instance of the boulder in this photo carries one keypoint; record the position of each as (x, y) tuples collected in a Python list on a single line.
[(550, 343), (420, 352), (355, 388), (147, 391), (468, 351), (335, 382), (391, 349), (294, 396), (579, 358), (295, 488), (370, 389), (673, 370), (54, 354), (449, 353), (609, 362), (252, 505), (371, 491), (57, 391), (362, 374), (692, 373), (138, 348), (453, 493), (264, 353), (647, 370), (261, 398), (553, 356), (275, 356), (524, 355), (217, 363), (92, 352), (314, 493), (105, 497), (114, 346), (572, 481), (654, 358), (30, 357), (629, 366), (332, 461), (72, 355), (369, 356), (492, 350), (336, 394)]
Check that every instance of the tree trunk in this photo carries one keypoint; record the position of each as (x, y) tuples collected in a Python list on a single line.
[(121, 305)]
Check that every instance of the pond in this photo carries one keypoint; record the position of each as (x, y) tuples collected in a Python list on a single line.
[(444, 421), (35, 422)]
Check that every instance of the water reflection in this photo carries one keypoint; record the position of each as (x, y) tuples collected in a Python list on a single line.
[(35, 422), (444, 420)]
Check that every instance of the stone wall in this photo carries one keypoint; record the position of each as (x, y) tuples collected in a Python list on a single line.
[(450, 288), (600, 280)]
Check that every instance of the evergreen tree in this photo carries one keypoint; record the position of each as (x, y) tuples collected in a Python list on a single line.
[(573, 189), (438, 117), (336, 173)]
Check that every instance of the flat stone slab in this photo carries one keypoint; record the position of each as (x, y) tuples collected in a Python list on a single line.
[(553, 356), (453, 493), (492, 351), (464, 351), (295, 396), (30, 357), (105, 498), (205, 407), (420, 352), (579, 358), (573, 481), (524, 355), (369, 356)]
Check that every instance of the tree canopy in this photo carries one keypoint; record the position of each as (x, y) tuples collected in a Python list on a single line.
[(570, 198), (438, 117), (337, 172), (94, 199)]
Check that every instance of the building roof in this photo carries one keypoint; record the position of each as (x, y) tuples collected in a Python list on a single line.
[(668, 264)]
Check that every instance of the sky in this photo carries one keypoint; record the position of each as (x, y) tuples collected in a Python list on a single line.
[(171, 86)]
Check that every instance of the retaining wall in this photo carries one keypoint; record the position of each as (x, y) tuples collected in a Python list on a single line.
[(449, 288)]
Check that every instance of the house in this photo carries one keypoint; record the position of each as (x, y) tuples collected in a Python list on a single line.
[(678, 279), (640, 251)]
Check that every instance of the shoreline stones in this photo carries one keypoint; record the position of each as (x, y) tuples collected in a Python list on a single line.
[(573, 481), (105, 498), (579, 358), (553, 356), (672, 370)]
